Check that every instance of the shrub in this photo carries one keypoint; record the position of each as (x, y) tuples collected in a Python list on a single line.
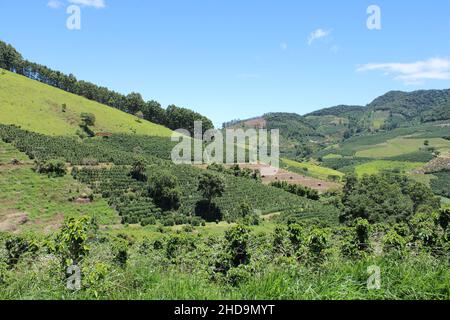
[(393, 242), (424, 229), (138, 171), (120, 251), (237, 241), (280, 243), (295, 235), (53, 168), (317, 242), (71, 242), (16, 247), (356, 240), (296, 189)]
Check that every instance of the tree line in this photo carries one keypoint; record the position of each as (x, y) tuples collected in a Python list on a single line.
[(173, 117)]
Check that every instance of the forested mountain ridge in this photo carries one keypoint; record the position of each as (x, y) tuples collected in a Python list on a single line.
[(301, 135), (418, 106), (173, 117)]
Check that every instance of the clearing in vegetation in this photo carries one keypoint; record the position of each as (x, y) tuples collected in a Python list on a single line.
[(402, 145), (378, 166)]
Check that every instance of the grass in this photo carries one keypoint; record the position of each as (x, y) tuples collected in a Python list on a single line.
[(46, 200), (400, 146), (333, 156), (423, 178), (38, 107), (418, 277), (310, 169), (8, 152), (377, 166)]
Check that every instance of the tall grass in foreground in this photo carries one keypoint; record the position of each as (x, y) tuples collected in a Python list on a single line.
[(414, 277)]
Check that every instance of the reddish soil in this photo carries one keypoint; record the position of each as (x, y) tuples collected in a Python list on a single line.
[(270, 174)]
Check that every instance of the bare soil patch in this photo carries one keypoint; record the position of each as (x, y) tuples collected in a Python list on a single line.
[(11, 222)]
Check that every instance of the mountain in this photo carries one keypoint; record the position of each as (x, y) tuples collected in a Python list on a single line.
[(302, 136), (413, 107)]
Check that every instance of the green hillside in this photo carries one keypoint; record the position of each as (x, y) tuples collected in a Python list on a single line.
[(353, 129), (38, 107)]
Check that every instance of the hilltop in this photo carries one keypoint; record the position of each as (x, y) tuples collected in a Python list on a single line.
[(39, 107), (304, 135)]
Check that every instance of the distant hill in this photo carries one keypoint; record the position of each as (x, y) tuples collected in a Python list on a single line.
[(418, 106), (306, 135), (38, 107)]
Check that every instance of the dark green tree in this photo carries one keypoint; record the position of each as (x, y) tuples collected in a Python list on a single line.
[(211, 186), (163, 187), (138, 170)]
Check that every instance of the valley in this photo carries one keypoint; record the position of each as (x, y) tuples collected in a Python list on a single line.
[(87, 180)]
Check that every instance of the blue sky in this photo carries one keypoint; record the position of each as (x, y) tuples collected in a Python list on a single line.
[(239, 58)]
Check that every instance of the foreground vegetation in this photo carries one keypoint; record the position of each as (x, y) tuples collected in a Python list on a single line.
[(297, 261)]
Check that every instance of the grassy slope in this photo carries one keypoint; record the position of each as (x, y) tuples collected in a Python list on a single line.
[(45, 200), (37, 107), (313, 170), (8, 152), (401, 145), (376, 166)]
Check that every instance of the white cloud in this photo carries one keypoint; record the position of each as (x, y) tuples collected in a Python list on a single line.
[(54, 4), (317, 34), (89, 3), (415, 72), (284, 46)]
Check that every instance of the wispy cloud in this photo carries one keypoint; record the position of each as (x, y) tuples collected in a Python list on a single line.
[(335, 49), (54, 4), (318, 34), (284, 46), (90, 3), (415, 72)]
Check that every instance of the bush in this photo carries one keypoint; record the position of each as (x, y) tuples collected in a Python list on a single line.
[(424, 229), (16, 247), (356, 240), (53, 168), (71, 242), (237, 241), (317, 242), (138, 171), (296, 189), (393, 242), (120, 251)]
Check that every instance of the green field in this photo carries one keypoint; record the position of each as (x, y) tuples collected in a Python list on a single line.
[(377, 166), (38, 107), (45, 200), (402, 145), (310, 169), (8, 153)]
